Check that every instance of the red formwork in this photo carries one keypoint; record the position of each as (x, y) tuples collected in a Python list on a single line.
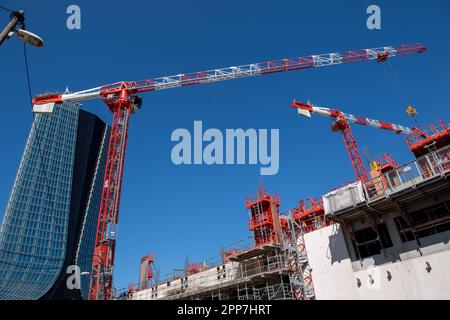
[(193, 268), (310, 215), (386, 163), (264, 217), (147, 269)]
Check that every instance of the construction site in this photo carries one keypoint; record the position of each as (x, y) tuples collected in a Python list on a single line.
[(384, 235), (388, 229)]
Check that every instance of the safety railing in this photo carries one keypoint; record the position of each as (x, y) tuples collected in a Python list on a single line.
[(425, 132), (279, 291), (409, 175)]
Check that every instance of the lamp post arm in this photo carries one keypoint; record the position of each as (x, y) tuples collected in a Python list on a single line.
[(16, 18)]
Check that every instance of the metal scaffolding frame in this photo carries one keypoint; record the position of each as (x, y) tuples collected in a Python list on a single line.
[(276, 291), (273, 266), (301, 274), (258, 274)]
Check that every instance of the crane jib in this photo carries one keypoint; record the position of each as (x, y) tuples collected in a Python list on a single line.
[(350, 118), (235, 72)]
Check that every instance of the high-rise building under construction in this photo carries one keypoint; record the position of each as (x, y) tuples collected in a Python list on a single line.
[(52, 213)]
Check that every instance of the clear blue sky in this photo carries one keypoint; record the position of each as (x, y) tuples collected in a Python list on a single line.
[(179, 211)]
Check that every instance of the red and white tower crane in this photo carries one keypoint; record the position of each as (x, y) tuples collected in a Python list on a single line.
[(341, 123), (122, 99)]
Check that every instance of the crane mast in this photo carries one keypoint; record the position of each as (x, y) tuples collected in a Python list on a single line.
[(342, 124), (122, 99), (105, 238)]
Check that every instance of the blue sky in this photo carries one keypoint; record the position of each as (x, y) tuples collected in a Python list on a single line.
[(189, 211)]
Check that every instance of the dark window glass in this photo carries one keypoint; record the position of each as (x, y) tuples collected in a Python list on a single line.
[(369, 241), (403, 228), (426, 222), (432, 220)]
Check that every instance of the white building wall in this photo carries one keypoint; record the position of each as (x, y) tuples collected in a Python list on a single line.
[(335, 275), (331, 266)]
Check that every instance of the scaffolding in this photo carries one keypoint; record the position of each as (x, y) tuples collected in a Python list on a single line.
[(301, 274), (278, 291), (311, 215), (270, 265), (267, 272)]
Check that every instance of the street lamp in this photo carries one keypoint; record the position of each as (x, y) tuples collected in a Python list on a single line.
[(91, 276), (100, 276), (29, 38), (18, 18)]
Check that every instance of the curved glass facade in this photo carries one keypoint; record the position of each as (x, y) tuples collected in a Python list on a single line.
[(33, 233), (52, 212)]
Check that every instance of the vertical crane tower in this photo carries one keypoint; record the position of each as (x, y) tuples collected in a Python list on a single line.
[(123, 99)]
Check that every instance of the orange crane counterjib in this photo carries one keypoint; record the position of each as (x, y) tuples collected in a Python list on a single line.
[(215, 75)]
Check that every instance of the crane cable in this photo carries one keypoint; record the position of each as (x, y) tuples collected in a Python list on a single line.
[(396, 82), (6, 9), (403, 93), (401, 90), (25, 57), (27, 69)]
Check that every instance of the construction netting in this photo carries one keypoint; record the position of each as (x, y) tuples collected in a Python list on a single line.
[(342, 198)]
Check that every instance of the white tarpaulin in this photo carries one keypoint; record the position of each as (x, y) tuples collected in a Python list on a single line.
[(43, 108), (343, 198)]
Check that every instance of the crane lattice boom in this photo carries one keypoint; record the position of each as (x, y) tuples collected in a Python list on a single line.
[(255, 69)]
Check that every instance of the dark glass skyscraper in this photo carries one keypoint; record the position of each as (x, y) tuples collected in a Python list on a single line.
[(51, 217)]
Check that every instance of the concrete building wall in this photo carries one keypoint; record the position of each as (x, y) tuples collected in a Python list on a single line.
[(335, 276), (331, 265)]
